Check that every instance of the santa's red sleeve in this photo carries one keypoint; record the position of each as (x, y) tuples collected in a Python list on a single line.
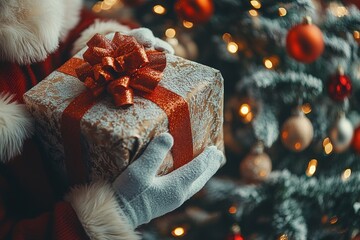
[(32, 204), (30, 209)]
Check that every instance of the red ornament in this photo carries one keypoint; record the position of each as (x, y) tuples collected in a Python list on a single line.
[(235, 233), (356, 140), (235, 236), (304, 42), (339, 87), (196, 11)]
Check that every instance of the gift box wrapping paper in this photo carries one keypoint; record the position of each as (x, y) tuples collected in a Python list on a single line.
[(114, 137)]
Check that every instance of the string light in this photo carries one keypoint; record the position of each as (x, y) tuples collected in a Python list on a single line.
[(244, 109), (232, 210), (263, 173), (105, 6), (253, 13), (187, 24), (328, 147), (338, 10), (268, 64), (256, 4), (170, 32), (341, 11), (325, 219), (245, 113), (283, 237), (333, 220), (178, 232), (346, 174), (249, 117), (226, 37), (271, 62), (285, 134), (110, 2), (282, 12), (297, 146), (97, 7), (311, 169), (232, 47), (356, 35), (159, 9), (306, 108)]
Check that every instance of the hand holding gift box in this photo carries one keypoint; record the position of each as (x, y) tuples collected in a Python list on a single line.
[(83, 124), (89, 138), (140, 194), (105, 211)]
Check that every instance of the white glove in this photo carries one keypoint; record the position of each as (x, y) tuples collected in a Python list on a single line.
[(145, 37), (143, 196)]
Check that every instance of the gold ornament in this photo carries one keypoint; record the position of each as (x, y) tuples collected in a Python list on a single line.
[(297, 132), (256, 166)]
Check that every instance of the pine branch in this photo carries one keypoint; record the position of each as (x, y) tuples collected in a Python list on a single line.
[(288, 192), (295, 200), (338, 25), (336, 48), (298, 6), (218, 189), (289, 219), (289, 86), (307, 5), (266, 125), (272, 30)]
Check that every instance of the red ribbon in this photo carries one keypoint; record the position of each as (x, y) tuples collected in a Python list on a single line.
[(120, 66), (100, 74)]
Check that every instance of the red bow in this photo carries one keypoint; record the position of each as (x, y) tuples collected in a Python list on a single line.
[(119, 66)]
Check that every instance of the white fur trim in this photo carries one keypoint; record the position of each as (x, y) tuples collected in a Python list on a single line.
[(99, 212), (101, 27), (72, 16), (15, 126), (30, 30)]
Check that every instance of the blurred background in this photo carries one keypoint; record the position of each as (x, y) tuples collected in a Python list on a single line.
[(291, 116)]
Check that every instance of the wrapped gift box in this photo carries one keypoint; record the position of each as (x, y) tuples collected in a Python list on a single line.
[(113, 137)]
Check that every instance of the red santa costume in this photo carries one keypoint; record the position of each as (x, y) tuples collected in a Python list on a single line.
[(30, 208), (36, 37)]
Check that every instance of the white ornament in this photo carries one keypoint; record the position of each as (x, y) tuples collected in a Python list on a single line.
[(341, 134)]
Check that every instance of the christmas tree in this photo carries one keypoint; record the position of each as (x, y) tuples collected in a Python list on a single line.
[(292, 115)]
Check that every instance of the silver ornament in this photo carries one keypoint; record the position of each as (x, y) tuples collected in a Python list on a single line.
[(341, 134)]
